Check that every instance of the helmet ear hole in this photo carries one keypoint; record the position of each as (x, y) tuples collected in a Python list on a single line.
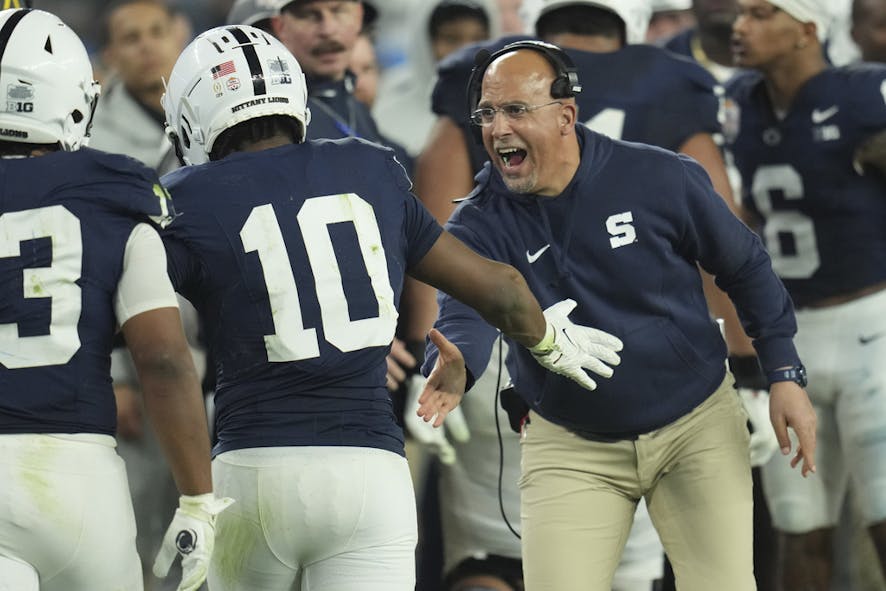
[(77, 116)]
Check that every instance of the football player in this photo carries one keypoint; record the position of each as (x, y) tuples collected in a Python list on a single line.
[(295, 251), (810, 149), (708, 43), (78, 259)]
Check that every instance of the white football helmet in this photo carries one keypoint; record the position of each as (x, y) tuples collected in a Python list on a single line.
[(666, 5), (634, 13), (47, 77), (228, 75)]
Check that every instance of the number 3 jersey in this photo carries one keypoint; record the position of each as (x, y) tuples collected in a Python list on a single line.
[(65, 223), (295, 258), (824, 224)]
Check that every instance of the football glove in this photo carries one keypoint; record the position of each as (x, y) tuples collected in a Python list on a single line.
[(763, 440), (569, 349), (192, 536), (434, 438)]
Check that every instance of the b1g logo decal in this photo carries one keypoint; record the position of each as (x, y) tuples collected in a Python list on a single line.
[(20, 98), (621, 229)]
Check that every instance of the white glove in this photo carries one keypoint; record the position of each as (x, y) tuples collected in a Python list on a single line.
[(434, 438), (569, 349), (192, 535), (763, 440)]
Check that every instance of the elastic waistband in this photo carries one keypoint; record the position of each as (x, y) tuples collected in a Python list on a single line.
[(51, 438)]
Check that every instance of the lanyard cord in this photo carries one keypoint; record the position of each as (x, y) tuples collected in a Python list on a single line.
[(349, 127)]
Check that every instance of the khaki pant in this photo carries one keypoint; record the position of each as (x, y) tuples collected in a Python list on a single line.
[(578, 500)]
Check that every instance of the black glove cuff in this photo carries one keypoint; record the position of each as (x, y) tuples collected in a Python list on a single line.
[(747, 372)]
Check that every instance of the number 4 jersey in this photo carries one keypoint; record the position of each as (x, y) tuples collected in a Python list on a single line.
[(66, 222), (824, 224), (295, 258)]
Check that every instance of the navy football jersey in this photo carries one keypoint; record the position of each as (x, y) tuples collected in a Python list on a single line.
[(295, 258), (823, 223), (65, 219), (640, 93), (681, 43)]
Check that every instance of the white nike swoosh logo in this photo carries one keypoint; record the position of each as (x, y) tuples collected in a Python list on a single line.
[(534, 256), (820, 116)]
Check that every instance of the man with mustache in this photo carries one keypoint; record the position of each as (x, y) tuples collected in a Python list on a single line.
[(321, 35)]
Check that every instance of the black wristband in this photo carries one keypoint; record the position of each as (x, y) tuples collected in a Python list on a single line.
[(747, 372), (417, 350)]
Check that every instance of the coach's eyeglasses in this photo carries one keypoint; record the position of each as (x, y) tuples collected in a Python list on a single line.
[(484, 116)]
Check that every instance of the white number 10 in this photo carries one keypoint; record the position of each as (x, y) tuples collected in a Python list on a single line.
[(291, 341)]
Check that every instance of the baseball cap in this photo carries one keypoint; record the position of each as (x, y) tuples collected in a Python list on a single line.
[(249, 12), (280, 5)]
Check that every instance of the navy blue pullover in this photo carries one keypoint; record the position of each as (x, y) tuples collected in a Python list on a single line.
[(623, 240)]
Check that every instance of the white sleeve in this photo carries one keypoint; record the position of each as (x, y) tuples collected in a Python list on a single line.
[(144, 284)]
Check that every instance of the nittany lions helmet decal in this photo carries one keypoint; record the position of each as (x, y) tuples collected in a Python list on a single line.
[(46, 77), (228, 75), (634, 13)]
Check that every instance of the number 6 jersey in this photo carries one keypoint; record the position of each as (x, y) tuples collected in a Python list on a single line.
[(824, 224), (295, 258)]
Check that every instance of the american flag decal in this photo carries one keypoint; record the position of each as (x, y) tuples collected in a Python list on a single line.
[(224, 69)]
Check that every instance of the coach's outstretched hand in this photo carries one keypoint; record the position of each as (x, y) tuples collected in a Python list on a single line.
[(569, 349), (789, 406), (446, 384), (191, 535)]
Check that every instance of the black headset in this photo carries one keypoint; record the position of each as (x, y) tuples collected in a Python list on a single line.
[(565, 84)]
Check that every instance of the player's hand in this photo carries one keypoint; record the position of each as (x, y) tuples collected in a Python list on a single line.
[(569, 349), (446, 384), (434, 438), (192, 536), (763, 440), (400, 362), (789, 406)]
